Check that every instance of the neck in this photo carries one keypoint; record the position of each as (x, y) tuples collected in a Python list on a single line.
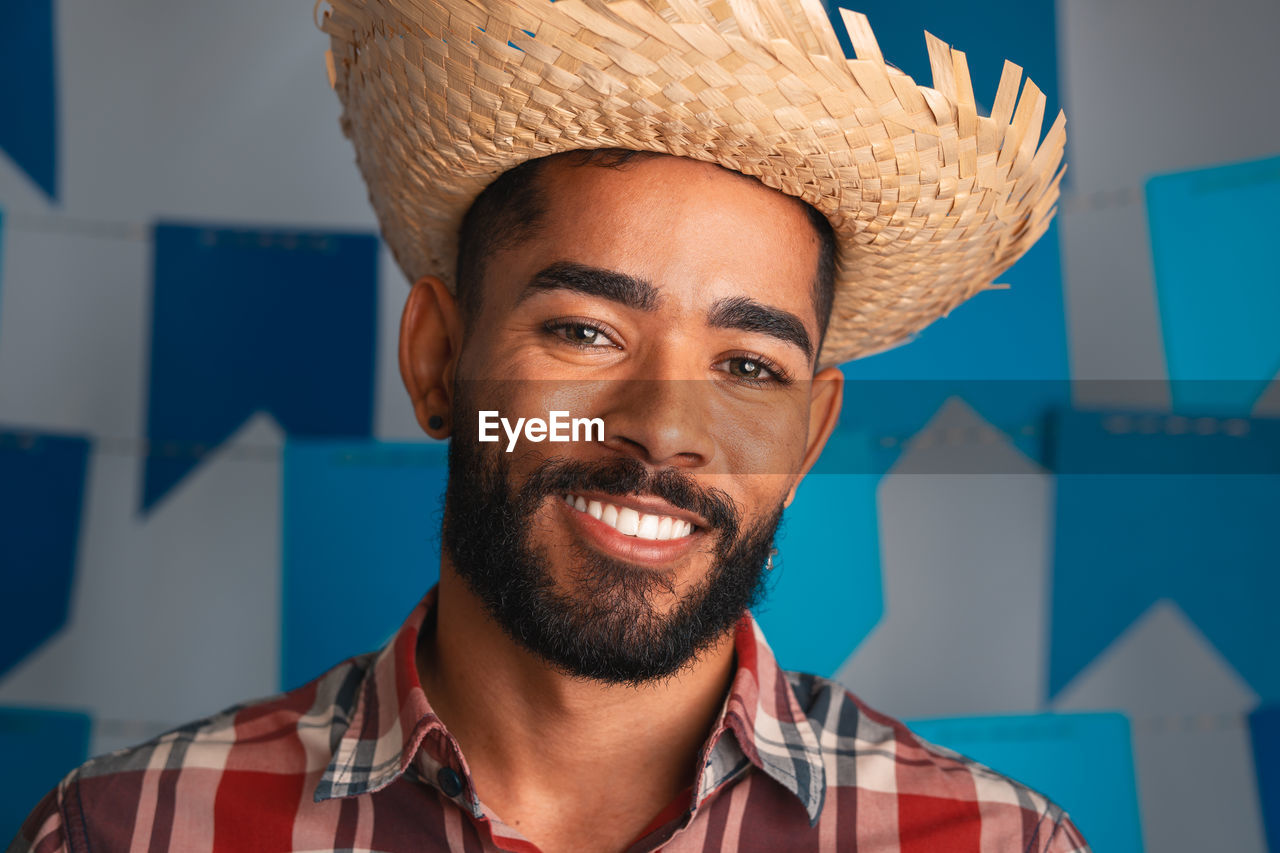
[(534, 737)]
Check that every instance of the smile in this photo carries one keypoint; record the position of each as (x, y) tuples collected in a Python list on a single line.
[(630, 522)]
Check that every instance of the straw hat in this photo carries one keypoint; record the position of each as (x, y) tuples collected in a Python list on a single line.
[(929, 200)]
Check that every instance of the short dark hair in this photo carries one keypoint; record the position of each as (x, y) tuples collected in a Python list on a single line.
[(511, 210)]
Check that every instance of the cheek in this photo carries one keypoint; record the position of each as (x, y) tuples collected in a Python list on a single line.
[(763, 494), (498, 359), (759, 440), (762, 452)]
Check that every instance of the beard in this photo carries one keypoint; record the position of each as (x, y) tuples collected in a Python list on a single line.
[(608, 626)]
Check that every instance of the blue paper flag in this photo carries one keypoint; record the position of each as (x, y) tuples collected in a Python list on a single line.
[(28, 90), (1004, 353), (1083, 762), (1151, 508), (361, 543), (1264, 730), (825, 593), (1219, 299), (39, 748), (247, 321), (41, 494)]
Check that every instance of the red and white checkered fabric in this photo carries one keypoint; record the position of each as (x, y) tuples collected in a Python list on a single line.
[(356, 760)]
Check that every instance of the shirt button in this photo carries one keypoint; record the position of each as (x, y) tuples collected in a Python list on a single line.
[(450, 781)]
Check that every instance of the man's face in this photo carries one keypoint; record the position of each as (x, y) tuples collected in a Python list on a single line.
[(673, 300)]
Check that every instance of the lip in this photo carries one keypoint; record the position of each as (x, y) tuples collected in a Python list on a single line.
[(632, 549)]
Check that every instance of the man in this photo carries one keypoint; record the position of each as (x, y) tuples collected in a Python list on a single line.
[(586, 676)]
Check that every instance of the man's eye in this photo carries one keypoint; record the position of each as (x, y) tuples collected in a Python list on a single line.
[(580, 334), (755, 370)]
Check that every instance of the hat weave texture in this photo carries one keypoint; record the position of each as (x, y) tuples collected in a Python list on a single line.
[(929, 200)]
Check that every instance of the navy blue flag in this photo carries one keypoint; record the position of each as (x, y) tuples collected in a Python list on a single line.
[(1264, 730), (1154, 507), (247, 321), (28, 91), (41, 494)]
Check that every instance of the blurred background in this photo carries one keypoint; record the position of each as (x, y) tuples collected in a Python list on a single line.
[(1045, 532)]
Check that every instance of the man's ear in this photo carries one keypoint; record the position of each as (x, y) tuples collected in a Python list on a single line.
[(826, 394), (430, 342)]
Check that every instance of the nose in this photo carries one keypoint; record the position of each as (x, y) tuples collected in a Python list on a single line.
[(663, 422)]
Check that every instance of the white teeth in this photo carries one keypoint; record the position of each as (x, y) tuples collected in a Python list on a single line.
[(628, 521), (631, 522), (648, 528)]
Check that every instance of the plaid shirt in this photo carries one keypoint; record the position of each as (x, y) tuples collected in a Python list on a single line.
[(356, 760)]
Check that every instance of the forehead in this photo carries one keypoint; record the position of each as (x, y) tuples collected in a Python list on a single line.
[(693, 229)]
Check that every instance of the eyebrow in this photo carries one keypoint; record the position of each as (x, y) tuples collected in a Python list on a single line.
[(739, 312), (736, 312), (606, 284)]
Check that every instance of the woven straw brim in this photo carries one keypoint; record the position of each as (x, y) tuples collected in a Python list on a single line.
[(929, 200)]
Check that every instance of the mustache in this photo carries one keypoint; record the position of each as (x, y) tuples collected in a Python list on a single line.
[(630, 476)]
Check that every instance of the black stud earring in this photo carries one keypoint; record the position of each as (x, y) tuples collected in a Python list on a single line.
[(435, 422)]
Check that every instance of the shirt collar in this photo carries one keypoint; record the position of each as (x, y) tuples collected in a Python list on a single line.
[(770, 729), (390, 723), (391, 726)]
